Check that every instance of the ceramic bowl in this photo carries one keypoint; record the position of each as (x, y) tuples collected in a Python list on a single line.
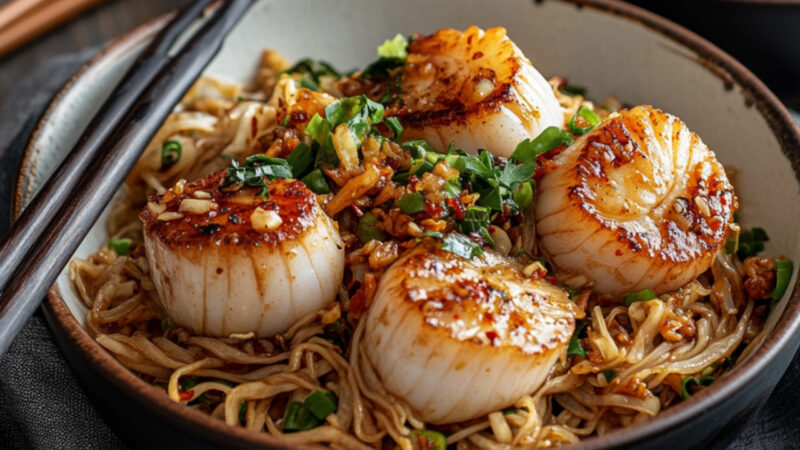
[(610, 47)]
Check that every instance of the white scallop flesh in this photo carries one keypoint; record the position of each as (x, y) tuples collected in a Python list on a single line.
[(475, 89), (457, 339), (640, 202), (246, 263)]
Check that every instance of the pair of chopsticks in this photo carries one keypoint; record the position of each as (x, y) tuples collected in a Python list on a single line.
[(44, 237), (23, 20)]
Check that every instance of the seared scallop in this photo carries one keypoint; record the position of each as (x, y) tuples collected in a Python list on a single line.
[(640, 202), (475, 89), (233, 260), (456, 338)]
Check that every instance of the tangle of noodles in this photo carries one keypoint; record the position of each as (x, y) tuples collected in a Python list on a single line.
[(637, 355)]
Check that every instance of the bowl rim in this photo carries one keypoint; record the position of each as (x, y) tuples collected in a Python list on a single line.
[(718, 62)]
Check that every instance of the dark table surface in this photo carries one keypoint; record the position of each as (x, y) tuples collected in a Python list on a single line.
[(41, 403)]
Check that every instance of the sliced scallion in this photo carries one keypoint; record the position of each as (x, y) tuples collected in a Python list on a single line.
[(300, 160), (640, 296), (523, 195), (299, 418), (170, 153), (609, 374), (685, 384), (550, 138), (316, 182), (321, 403), (121, 246), (429, 440), (783, 274), (367, 231), (586, 114), (411, 203), (575, 348)]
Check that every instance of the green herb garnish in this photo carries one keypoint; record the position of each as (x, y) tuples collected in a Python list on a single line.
[(640, 296), (461, 246), (783, 274), (550, 138), (256, 169), (391, 55), (588, 115), (411, 203), (170, 153), (300, 159), (311, 71), (574, 347), (315, 181), (311, 413), (121, 246), (367, 231), (750, 243), (609, 374), (429, 440)]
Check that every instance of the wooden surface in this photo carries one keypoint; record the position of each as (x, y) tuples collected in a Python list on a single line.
[(91, 29)]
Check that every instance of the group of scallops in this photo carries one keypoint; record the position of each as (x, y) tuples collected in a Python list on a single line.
[(637, 203)]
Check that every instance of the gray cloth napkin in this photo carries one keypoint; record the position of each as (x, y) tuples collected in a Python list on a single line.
[(42, 404)]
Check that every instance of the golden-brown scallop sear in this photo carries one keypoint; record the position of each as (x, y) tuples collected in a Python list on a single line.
[(638, 203), (456, 338), (226, 259), (476, 89)]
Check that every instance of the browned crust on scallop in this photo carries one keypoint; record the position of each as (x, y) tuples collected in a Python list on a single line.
[(229, 223), (450, 99), (459, 301), (686, 233)]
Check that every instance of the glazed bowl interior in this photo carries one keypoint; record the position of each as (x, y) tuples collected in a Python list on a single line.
[(609, 54)]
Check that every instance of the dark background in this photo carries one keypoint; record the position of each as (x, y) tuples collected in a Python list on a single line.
[(42, 405)]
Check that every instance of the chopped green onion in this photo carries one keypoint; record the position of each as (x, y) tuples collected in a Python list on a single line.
[(476, 218), (321, 403), (121, 246), (300, 160), (394, 48), (411, 203), (299, 418), (509, 411), (783, 274), (285, 121), (759, 234), (394, 124), (523, 195), (751, 242), (242, 411), (706, 380), (254, 170), (461, 246), (609, 374), (685, 383), (429, 440), (572, 90), (316, 182), (550, 138), (452, 189), (170, 153), (587, 114), (574, 347), (641, 296), (366, 230)]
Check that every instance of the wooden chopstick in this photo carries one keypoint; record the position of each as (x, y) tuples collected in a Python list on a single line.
[(109, 164), (15, 9), (24, 20)]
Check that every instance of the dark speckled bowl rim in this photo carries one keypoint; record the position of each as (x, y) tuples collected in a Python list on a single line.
[(732, 74)]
